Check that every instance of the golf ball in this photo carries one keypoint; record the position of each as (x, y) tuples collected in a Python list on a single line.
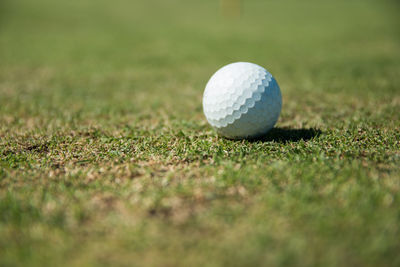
[(242, 100)]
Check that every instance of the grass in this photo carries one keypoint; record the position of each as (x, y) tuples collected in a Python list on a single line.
[(107, 159)]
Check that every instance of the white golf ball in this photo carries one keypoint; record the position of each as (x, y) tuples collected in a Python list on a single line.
[(242, 100)]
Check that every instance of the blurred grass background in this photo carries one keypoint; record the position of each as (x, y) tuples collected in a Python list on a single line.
[(106, 157), (137, 49)]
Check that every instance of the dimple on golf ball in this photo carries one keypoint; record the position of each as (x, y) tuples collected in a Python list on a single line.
[(242, 100)]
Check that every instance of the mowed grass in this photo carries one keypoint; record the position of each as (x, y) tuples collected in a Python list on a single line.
[(107, 159)]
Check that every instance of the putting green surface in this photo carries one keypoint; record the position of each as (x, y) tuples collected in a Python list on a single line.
[(107, 159)]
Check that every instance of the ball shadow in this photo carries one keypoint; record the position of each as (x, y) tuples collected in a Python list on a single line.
[(284, 135)]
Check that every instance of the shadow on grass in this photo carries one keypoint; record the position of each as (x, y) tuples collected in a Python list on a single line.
[(284, 135)]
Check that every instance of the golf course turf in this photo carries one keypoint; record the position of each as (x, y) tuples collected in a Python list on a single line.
[(106, 158)]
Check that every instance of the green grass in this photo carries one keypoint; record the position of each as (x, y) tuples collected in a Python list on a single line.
[(107, 159)]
